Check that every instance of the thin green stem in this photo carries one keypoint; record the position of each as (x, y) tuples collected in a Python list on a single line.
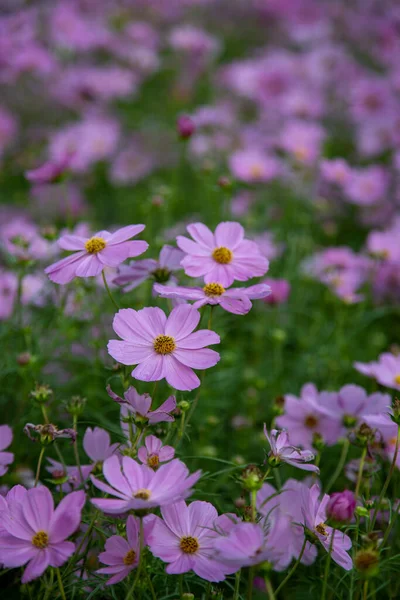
[(253, 503), (293, 569), (49, 586), (60, 584), (327, 567), (250, 584), (360, 472), (270, 590), (44, 413), (340, 465), (152, 591), (141, 561), (108, 290), (365, 590), (355, 543), (180, 586), (39, 465), (76, 453), (237, 585), (386, 484)]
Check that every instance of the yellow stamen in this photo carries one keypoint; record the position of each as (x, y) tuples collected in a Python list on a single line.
[(321, 529), (213, 289), (189, 544), (40, 540), (397, 379), (222, 255), (153, 461), (95, 245), (310, 421), (256, 171), (142, 494), (164, 344), (129, 558)]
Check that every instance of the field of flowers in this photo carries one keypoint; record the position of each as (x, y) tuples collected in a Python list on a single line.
[(199, 299)]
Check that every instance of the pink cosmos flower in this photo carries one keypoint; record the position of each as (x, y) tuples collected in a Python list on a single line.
[(185, 538), (140, 405), (122, 555), (223, 256), (233, 300), (386, 370), (314, 517), (254, 166), (96, 443), (91, 255), (37, 533), (367, 186), (305, 417), (50, 171), (138, 486), (303, 140), (153, 452), (6, 458), (335, 171), (136, 272), (164, 347), (283, 451), (21, 239)]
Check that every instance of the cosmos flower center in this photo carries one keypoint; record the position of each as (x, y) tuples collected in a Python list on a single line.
[(164, 344), (40, 540), (189, 544), (142, 494), (349, 421), (129, 558), (256, 170), (161, 275), (310, 421), (153, 461), (95, 245), (222, 255), (397, 379), (321, 529), (213, 289)]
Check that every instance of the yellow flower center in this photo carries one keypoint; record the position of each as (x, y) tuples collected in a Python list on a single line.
[(256, 171), (129, 558), (153, 461), (95, 245), (397, 379), (142, 494), (40, 540), (164, 344), (310, 421), (301, 153), (189, 544), (213, 289), (321, 529), (222, 255)]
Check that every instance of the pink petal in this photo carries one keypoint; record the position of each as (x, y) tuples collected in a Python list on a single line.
[(183, 564), (67, 517), (89, 266), (15, 552), (229, 234), (179, 376), (169, 291), (112, 473), (38, 508), (72, 242), (197, 359), (112, 507), (36, 566), (236, 306), (125, 233), (64, 270), (60, 553), (132, 532), (198, 266), (151, 369), (192, 248), (154, 320), (128, 325), (202, 235), (177, 518), (6, 436), (222, 274), (107, 489), (128, 353), (112, 256), (182, 321), (199, 339)]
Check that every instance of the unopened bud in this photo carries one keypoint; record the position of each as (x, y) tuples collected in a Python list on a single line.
[(318, 442), (41, 393), (361, 511), (75, 406), (251, 478), (24, 359), (363, 435), (185, 126), (224, 182), (341, 506), (184, 405), (367, 563), (187, 596)]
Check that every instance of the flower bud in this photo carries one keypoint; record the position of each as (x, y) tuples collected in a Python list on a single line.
[(361, 511), (252, 478), (75, 406), (184, 405), (187, 596), (318, 442), (367, 562), (41, 393), (363, 435), (24, 359), (341, 506), (396, 411), (185, 126)]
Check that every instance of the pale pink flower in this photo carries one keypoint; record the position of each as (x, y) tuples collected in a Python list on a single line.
[(122, 555), (153, 452), (283, 451)]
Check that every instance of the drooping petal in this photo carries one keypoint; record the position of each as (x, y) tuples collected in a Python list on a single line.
[(125, 233), (72, 242), (64, 270)]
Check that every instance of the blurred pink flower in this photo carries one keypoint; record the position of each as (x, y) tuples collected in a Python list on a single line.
[(280, 290), (122, 555), (140, 405), (386, 370), (254, 166), (153, 452), (6, 458), (96, 443)]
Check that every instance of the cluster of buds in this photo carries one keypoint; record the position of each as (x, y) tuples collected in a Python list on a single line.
[(46, 434)]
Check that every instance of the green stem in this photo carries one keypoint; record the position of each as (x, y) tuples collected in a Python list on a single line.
[(109, 291), (237, 585), (152, 592), (141, 562), (360, 472), (386, 484), (76, 453), (270, 591), (251, 581), (354, 553), (327, 567), (180, 586), (340, 465), (292, 570), (39, 465), (253, 502), (365, 592), (60, 584), (49, 586)]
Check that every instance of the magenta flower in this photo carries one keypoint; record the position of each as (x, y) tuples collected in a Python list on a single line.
[(140, 406), (223, 256), (341, 506), (137, 486), (314, 517), (96, 443), (50, 171), (153, 452), (6, 458), (283, 451), (280, 290), (185, 126), (122, 555), (91, 255), (36, 533), (164, 347), (132, 275), (185, 537), (233, 300), (386, 370)]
